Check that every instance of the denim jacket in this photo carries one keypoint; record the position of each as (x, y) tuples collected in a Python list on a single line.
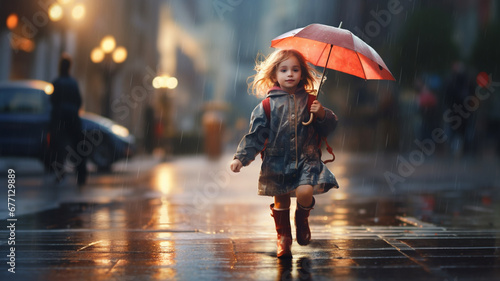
[(291, 151)]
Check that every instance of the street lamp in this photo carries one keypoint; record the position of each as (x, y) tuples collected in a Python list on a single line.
[(65, 9), (110, 56), (56, 11), (165, 81)]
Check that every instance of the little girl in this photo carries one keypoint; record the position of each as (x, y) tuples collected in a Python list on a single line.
[(291, 152)]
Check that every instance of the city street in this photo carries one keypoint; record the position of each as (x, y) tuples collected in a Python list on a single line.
[(158, 94), (189, 218)]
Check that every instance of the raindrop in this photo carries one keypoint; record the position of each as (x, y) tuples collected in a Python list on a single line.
[(237, 68)]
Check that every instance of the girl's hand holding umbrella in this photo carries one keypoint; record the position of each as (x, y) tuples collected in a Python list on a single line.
[(317, 109)]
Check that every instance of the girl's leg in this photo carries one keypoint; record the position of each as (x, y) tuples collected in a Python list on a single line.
[(305, 203), (280, 211), (304, 195), (282, 201)]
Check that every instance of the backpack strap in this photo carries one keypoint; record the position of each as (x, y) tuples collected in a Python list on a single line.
[(330, 150), (267, 107), (310, 100)]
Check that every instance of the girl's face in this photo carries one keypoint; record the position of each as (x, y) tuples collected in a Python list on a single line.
[(288, 74)]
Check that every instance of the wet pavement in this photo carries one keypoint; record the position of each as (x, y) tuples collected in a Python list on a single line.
[(192, 219)]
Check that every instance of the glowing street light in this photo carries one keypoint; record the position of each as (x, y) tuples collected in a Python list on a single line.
[(78, 12), (108, 44), (165, 81), (157, 82), (110, 55), (97, 55), (119, 54), (55, 12), (63, 11), (172, 83)]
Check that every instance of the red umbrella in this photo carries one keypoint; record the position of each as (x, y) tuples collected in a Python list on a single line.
[(335, 48)]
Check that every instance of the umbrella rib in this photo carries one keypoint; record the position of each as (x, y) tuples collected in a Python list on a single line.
[(324, 70), (361, 64), (322, 52)]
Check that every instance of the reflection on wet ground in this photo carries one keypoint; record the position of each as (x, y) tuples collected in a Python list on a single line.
[(195, 222), (152, 239)]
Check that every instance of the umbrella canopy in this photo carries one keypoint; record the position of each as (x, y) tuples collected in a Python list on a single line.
[(335, 48)]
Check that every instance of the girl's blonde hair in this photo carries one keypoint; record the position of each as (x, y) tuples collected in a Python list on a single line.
[(265, 78)]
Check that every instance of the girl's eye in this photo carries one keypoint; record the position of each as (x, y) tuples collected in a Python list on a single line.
[(296, 70)]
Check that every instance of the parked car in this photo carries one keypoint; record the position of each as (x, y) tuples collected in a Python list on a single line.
[(24, 126)]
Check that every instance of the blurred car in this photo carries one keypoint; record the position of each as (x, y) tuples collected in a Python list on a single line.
[(24, 126)]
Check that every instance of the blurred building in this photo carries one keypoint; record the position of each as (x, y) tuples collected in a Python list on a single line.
[(32, 37), (216, 44)]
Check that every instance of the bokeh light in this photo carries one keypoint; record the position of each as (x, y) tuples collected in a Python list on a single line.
[(119, 54), (12, 21), (78, 12), (55, 12), (165, 81), (49, 89), (97, 55), (108, 44)]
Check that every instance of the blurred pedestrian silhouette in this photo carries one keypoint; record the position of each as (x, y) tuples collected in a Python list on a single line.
[(461, 125), (67, 137), (427, 108), (493, 121)]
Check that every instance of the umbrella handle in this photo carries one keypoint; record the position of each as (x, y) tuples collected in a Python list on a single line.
[(321, 82), (311, 117)]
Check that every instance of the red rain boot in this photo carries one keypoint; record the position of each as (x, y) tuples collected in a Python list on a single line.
[(284, 230), (302, 224)]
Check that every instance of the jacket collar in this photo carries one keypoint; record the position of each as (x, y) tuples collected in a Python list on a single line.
[(277, 91)]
